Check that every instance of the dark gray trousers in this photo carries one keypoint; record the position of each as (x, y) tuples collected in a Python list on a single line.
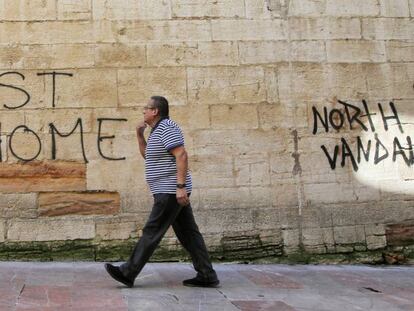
[(165, 212)]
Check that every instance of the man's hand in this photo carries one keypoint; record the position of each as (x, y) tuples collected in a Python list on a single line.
[(182, 197), (141, 128)]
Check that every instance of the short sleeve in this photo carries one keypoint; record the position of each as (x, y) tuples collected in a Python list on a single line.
[(172, 137)]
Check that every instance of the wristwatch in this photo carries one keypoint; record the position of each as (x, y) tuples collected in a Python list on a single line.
[(181, 186)]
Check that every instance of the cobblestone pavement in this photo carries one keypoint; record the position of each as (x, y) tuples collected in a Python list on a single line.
[(86, 286)]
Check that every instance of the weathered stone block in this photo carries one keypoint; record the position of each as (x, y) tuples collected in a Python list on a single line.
[(192, 54), (252, 169), (307, 51), (374, 229), (307, 7), (210, 8), (388, 29), (162, 31), (135, 9), (120, 228), (42, 176), (400, 234), (74, 9), (10, 119), (191, 117), (349, 235), (394, 8), (376, 242), (226, 84), (21, 205), (242, 116), (249, 29), (263, 52), (209, 171), (2, 231), (290, 241), (58, 56), (78, 203), (50, 230), (11, 56), (136, 86), (352, 8), (120, 55), (400, 51), (356, 51), (28, 10)]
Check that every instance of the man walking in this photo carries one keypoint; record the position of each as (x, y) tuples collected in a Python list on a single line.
[(166, 172)]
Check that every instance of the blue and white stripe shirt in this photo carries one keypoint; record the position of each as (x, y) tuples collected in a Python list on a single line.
[(160, 164)]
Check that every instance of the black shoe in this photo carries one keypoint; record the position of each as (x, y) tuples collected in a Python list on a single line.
[(117, 275), (198, 282)]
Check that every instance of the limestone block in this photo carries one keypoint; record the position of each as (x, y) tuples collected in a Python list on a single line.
[(411, 5), (235, 197), (22, 205), (191, 117), (307, 51), (214, 142), (133, 115), (209, 8), (136, 86), (281, 167), (50, 230), (242, 116), (74, 9), (86, 88), (374, 229), (11, 57), (349, 235), (212, 171), (291, 239), (162, 31), (2, 231), (223, 221), (120, 55), (346, 81), (134, 9), (352, 8), (400, 51), (284, 194), (58, 56), (50, 32), (388, 29), (400, 233), (390, 80), (329, 192), (249, 29), (78, 203), (316, 216), (307, 7), (324, 28), (394, 8), (272, 92), (258, 9), (267, 219), (25, 10), (115, 175), (42, 176), (25, 145), (226, 84), (312, 237), (352, 51), (376, 242), (192, 54), (10, 119), (252, 169), (119, 228), (139, 201), (263, 52)]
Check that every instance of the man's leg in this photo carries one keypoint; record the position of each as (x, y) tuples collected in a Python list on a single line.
[(190, 237), (163, 214)]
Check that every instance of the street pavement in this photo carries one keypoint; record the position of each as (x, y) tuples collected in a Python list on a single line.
[(44, 286)]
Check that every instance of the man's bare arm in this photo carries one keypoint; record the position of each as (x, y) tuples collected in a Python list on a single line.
[(141, 139), (181, 159)]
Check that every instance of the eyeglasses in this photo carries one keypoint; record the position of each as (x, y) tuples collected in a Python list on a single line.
[(147, 107)]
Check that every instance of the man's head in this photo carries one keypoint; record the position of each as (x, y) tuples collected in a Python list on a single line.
[(157, 107)]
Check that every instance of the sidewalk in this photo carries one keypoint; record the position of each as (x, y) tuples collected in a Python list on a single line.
[(86, 286)]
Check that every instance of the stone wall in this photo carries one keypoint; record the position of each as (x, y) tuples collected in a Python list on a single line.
[(298, 118)]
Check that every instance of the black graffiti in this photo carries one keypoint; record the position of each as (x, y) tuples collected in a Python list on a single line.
[(15, 88), (101, 138), (353, 115), (54, 74), (54, 132)]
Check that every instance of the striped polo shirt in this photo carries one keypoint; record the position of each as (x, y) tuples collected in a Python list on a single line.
[(160, 164)]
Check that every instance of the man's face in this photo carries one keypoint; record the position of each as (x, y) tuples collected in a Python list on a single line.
[(150, 113)]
